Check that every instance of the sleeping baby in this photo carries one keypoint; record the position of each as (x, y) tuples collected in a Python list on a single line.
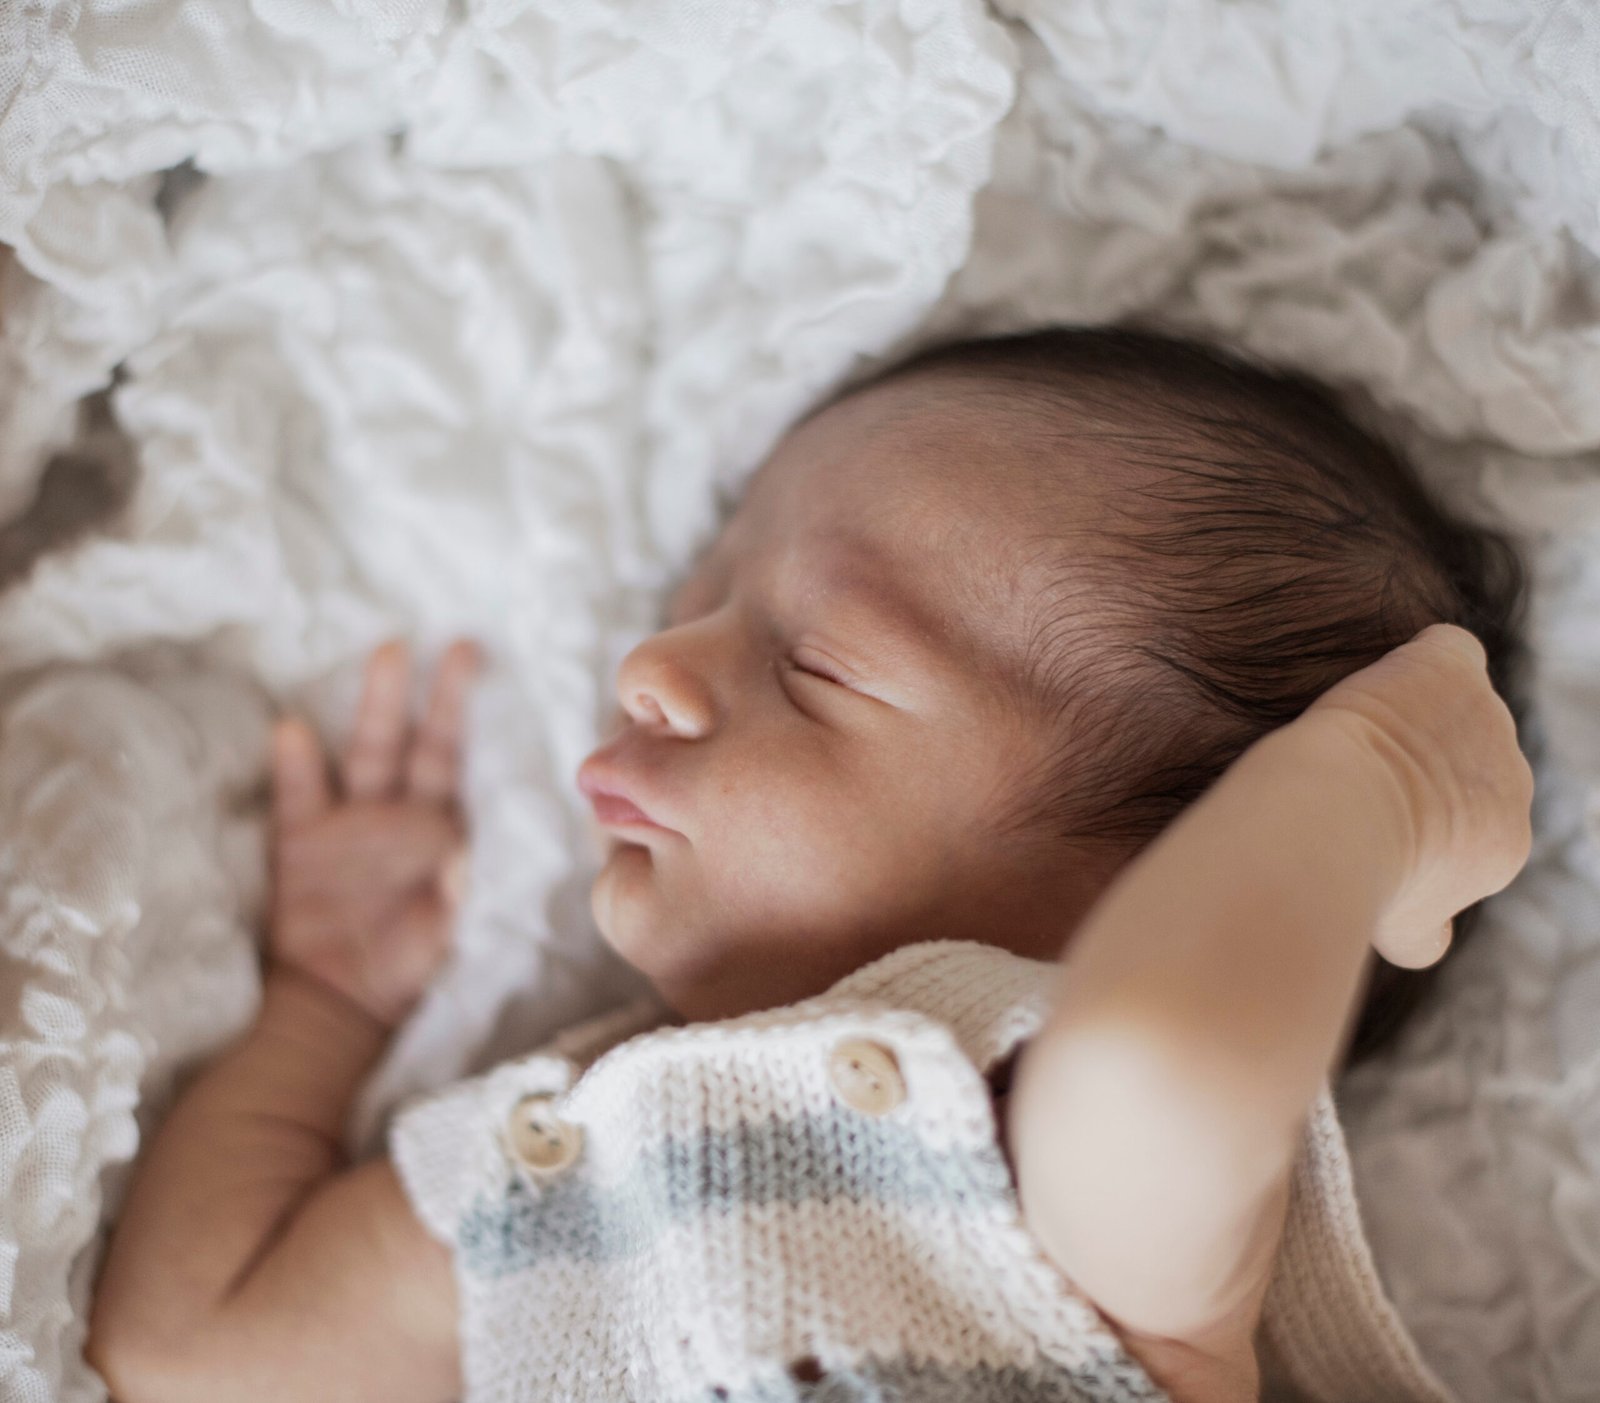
[(1072, 750)]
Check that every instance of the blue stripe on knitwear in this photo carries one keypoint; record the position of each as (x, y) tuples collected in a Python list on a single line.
[(839, 1154)]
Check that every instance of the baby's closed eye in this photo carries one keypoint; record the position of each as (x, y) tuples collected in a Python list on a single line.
[(809, 663)]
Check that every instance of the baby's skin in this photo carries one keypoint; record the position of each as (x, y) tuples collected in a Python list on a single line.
[(811, 755)]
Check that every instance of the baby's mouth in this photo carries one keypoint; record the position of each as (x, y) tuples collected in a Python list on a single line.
[(627, 825), (615, 811), (607, 785)]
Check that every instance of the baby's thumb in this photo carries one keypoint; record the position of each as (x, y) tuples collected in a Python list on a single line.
[(1411, 946), (453, 876)]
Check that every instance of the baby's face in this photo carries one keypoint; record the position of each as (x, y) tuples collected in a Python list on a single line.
[(823, 734)]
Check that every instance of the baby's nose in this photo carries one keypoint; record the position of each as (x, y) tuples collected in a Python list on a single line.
[(650, 710), (660, 694), (678, 713)]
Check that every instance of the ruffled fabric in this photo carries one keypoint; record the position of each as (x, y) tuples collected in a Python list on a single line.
[(439, 318)]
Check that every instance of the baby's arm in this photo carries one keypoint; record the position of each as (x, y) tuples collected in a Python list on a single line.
[(1156, 1119), (247, 1261)]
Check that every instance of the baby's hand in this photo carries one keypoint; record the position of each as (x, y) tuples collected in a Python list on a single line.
[(365, 883), (1427, 712)]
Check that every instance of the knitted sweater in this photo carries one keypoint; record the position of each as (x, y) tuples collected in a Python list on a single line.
[(811, 1202)]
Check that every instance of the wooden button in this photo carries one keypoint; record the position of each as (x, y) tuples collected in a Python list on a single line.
[(867, 1076), (539, 1140)]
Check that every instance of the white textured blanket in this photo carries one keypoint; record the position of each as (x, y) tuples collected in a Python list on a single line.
[(476, 308)]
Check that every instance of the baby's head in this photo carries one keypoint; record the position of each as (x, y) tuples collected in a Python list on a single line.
[(979, 629)]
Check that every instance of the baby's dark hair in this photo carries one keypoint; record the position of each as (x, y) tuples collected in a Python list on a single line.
[(1267, 546)]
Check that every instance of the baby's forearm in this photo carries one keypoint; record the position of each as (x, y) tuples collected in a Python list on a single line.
[(244, 1145), (1203, 1001)]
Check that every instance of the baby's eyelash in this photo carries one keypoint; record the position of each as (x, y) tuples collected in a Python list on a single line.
[(811, 671)]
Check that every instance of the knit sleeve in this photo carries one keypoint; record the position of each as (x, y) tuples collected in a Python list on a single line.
[(446, 1145), (1329, 1333)]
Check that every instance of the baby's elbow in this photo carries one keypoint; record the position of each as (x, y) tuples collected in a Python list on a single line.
[(1149, 1186), (119, 1357), (135, 1366)]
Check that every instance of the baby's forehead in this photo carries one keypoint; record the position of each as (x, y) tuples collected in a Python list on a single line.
[(918, 494), (912, 456)]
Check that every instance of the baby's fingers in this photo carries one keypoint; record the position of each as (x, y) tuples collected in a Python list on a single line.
[(300, 788), (377, 743), (433, 769)]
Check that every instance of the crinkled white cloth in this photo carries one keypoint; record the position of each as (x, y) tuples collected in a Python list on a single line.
[(483, 307)]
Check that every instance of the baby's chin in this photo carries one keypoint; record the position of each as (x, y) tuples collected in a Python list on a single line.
[(631, 912), (614, 883)]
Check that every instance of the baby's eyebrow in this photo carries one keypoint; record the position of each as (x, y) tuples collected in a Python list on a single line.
[(879, 594), (959, 629)]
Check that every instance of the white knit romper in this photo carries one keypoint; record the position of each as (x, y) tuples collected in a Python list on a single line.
[(811, 1202)]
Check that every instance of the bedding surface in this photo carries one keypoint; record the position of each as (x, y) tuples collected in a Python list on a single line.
[(444, 316)]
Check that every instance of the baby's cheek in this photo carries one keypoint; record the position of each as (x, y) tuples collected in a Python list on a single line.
[(842, 875)]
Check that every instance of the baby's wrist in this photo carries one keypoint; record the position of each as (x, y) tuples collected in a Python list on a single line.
[(293, 998), (302, 1060), (1358, 769)]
